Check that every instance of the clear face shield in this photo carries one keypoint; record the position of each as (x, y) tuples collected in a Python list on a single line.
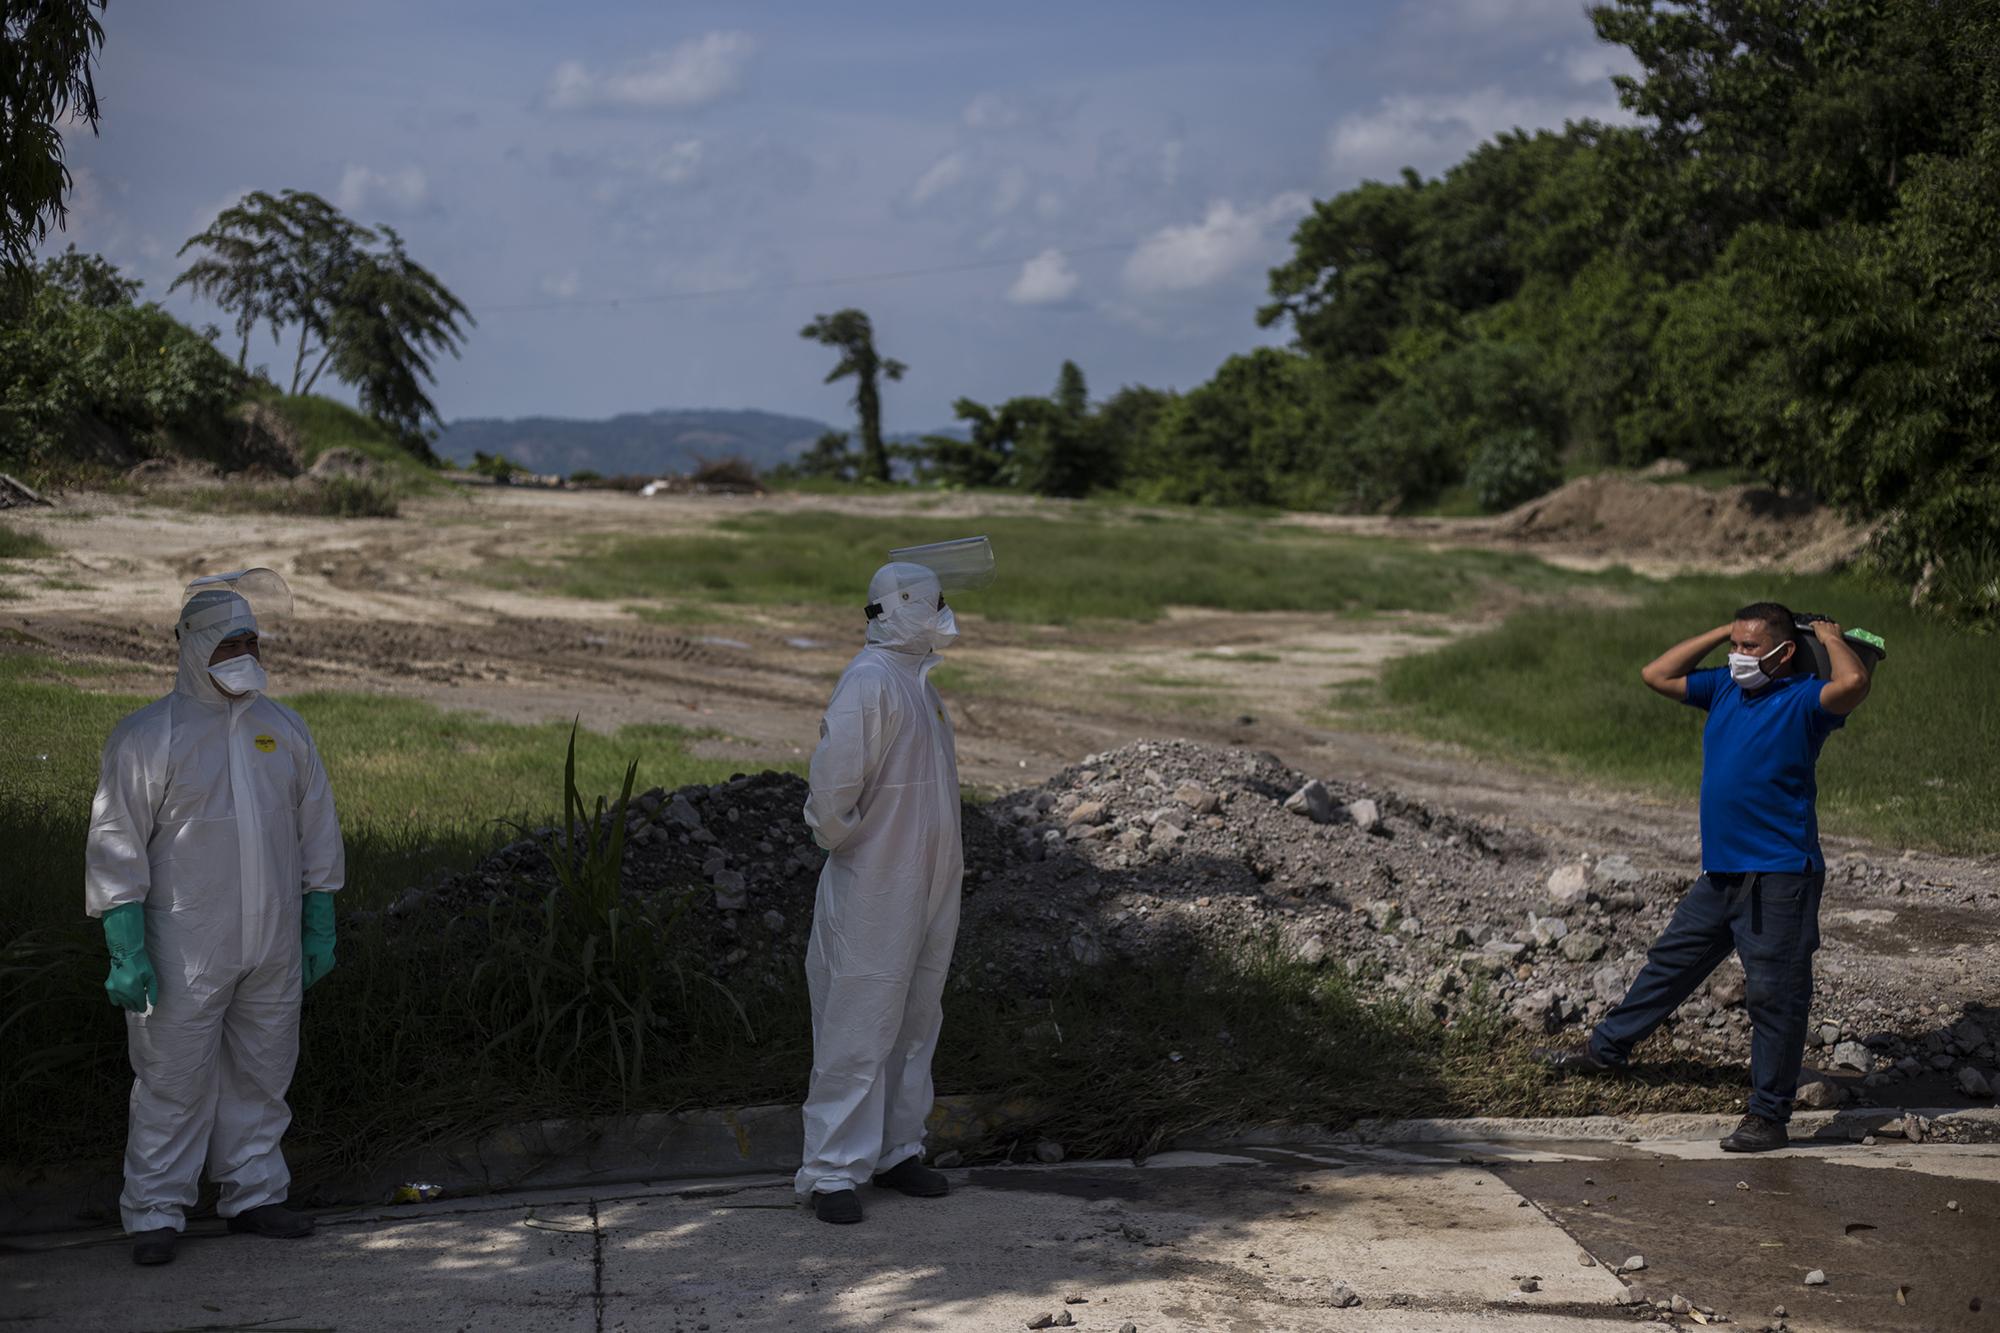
[(206, 601), (966, 562)]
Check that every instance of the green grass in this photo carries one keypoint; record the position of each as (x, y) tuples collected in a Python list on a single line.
[(1097, 563), (18, 545), (1559, 689), (331, 497), (323, 424)]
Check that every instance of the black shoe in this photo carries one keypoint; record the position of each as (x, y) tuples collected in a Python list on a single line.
[(274, 1220), (1574, 1062), (910, 1176), (837, 1206), (155, 1246), (1756, 1134)]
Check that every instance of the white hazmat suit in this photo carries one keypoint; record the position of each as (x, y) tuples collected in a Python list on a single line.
[(885, 804), (216, 814)]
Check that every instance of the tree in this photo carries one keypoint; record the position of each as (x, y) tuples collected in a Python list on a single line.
[(829, 458), (361, 305), (46, 47), (849, 332), (90, 280), (279, 259), (391, 318)]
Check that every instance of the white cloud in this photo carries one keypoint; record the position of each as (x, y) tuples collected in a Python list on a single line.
[(363, 189), (1047, 279), (678, 164), (1186, 258), (990, 111), (692, 73), (562, 286), (944, 173), (1598, 62), (1010, 189), (1430, 132)]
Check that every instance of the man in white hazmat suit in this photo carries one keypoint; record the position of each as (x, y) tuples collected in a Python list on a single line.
[(212, 860), (885, 804)]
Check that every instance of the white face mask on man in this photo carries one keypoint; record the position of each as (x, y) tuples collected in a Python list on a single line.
[(240, 675), (1747, 669)]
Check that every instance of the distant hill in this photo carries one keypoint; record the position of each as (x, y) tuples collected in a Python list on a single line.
[(641, 442)]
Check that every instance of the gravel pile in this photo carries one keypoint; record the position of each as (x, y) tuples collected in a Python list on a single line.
[(1147, 852)]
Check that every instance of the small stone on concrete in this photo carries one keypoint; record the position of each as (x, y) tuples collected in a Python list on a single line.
[(1636, 1264)]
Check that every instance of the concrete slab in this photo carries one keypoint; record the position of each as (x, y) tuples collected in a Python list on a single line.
[(1908, 1237), (1185, 1243), (503, 1269)]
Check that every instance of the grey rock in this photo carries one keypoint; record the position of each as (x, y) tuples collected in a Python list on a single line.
[(1048, 1151), (1547, 929), (1973, 1083), (1128, 1327), (1636, 1264), (1728, 989), (1197, 798), (1090, 812), (774, 921), (1853, 1055), (1618, 869), (680, 812), (1816, 1278), (1365, 814), (1582, 947), (731, 894), (1042, 1321), (1821, 1094), (1085, 950), (1166, 835), (1530, 1284), (1313, 951), (1381, 913), (1828, 1033), (1343, 1297), (1313, 801), (1569, 885), (1680, 1304), (1608, 984)]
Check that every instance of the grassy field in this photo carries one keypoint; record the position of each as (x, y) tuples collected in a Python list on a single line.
[(1098, 563), (1558, 688)]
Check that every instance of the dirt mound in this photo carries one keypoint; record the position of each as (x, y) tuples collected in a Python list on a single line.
[(1141, 854), (342, 463), (1730, 526)]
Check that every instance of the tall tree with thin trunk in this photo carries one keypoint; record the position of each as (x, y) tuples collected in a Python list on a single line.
[(46, 47), (850, 333)]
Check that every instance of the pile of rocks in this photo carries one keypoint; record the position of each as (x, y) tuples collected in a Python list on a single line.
[(1147, 852)]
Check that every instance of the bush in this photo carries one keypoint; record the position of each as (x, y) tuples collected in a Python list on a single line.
[(1512, 468), (308, 497), (135, 368)]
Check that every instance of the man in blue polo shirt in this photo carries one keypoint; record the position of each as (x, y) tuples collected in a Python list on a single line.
[(1762, 870)]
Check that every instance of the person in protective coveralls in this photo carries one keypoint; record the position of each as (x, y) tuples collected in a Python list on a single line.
[(885, 804), (212, 862)]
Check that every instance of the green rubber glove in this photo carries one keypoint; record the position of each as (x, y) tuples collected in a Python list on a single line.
[(316, 955), (131, 984)]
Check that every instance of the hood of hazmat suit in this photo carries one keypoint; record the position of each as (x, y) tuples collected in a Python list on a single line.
[(907, 613), (215, 813), (885, 805)]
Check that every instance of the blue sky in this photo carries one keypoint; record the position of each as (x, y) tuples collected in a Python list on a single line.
[(1123, 174)]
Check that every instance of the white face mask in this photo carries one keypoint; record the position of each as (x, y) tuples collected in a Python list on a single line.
[(240, 675), (943, 632), (1748, 671)]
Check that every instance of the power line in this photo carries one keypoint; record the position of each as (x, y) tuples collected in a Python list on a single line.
[(801, 284)]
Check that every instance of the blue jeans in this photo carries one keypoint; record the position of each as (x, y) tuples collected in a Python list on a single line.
[(1772, 921)]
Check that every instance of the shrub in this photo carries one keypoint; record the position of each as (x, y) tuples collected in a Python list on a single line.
[(1512, 468)]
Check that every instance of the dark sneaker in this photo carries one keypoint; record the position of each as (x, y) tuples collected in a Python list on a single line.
[(274, 1220), (1756, 1134), (154, 1247), (910, 1176), (837, 1206), (1574, 1062)]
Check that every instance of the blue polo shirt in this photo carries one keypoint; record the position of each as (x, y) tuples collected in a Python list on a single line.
[(1759, 796)]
